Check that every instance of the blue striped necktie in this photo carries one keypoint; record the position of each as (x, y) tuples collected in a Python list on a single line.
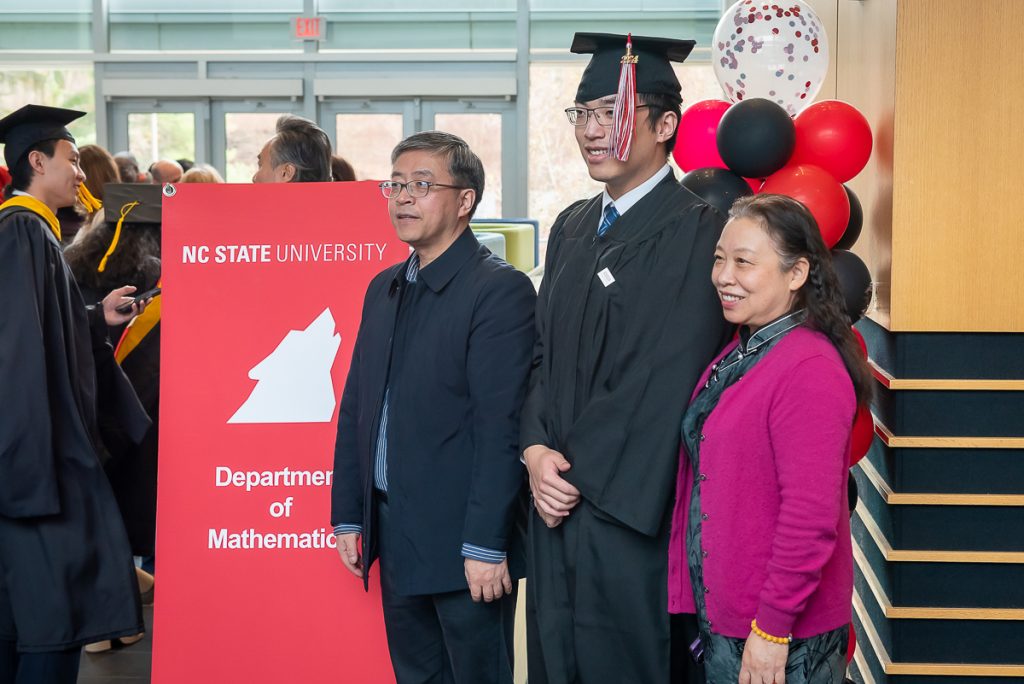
[(610, 214)]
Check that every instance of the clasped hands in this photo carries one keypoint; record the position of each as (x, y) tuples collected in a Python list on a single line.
[(553, 496)]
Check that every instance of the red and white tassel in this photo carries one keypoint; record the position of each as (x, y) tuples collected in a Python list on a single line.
[(625, 104)]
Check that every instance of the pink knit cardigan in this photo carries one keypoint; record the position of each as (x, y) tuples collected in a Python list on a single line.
[(776, 531)]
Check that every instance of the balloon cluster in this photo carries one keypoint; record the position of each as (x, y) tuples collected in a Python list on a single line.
[(771, 59), (732, 150)]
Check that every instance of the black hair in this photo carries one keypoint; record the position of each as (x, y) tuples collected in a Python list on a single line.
[(657, 105), (22, 172), (795, 235)]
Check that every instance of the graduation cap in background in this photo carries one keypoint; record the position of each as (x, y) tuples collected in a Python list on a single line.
[(33, 124), (131, 202), (624, 66)]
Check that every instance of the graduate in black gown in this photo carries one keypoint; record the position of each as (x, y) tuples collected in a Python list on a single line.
[(626, 319), (66, 572)]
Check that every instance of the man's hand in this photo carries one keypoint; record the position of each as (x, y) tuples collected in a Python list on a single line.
[(120, 297), (348, 549), (553, 496), (763, 661), (487, 581)]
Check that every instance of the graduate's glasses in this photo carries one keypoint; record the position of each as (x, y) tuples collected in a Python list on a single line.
[(579, 116), (416, 188)]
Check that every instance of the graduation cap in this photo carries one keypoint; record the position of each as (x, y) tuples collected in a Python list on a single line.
[(624, 66), (131, 202), (33, 124)]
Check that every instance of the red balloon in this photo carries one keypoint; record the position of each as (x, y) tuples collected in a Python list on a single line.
[(851, 645), (822, 194), (696, 141), (862, 435), (834, 136), (861, 342)]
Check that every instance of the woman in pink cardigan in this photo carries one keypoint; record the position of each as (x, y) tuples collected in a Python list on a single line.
[(760, 547)]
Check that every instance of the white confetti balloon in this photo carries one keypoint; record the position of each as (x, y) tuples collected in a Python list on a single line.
[(774, 50)]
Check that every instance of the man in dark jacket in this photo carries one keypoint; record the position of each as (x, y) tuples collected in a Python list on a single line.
[(427, 467), (66, 572), (627, 319)]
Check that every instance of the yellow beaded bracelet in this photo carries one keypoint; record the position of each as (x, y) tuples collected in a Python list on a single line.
[(768, 637)]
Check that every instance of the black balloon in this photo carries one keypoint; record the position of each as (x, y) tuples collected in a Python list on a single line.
[(756, 138), (851, 491), (718, 187), (854, 282), (853, 228)]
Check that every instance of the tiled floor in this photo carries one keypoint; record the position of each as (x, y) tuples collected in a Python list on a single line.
[(121, 665)]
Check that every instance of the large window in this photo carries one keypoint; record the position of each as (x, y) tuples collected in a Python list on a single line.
[(50, 25), (164, 135), (203, 24)]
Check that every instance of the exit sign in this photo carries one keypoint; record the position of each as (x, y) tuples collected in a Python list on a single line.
[(308, 28)]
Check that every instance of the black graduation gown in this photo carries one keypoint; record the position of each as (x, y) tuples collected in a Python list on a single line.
[(613, 369), (66, 573), (132, 468)]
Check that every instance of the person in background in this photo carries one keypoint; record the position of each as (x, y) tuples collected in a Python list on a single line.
[(165, 171), (128, 168), (760, 545), (99, 169), (202, 173), (625, 314), (67, 574), (185, 164), (428, 478), (341, 170), (299, 152)]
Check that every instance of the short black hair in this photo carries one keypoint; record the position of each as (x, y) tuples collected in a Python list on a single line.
[(22, 172), (657, 105)]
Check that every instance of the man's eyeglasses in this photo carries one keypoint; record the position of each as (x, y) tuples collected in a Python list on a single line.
[(579, 116), (416, 188)]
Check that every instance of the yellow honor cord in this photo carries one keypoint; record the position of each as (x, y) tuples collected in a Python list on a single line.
[(91, 204), (139, 327), (117, 234), (34, 205)]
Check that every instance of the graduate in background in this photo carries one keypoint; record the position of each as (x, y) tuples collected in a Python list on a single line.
[(66, 572), (124, 248), (625, 317)]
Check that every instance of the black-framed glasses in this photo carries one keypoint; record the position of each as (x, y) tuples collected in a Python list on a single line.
[(415, 188), (579, 116)]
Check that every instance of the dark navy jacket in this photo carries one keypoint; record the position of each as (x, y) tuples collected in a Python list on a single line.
[(457, 368)]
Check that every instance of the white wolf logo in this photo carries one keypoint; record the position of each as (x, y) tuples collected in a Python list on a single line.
[(294, 381)]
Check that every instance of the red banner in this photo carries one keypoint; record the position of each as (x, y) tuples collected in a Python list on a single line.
[(263, 289)]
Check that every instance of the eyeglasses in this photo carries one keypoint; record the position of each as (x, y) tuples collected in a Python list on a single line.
[(416, 188), (579, 116)]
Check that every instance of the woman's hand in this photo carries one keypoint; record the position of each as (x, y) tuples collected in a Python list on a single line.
[(763, 661)]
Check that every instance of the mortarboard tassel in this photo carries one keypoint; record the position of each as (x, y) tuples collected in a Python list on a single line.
[(625, 104), (117, 235), (91, 204)]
